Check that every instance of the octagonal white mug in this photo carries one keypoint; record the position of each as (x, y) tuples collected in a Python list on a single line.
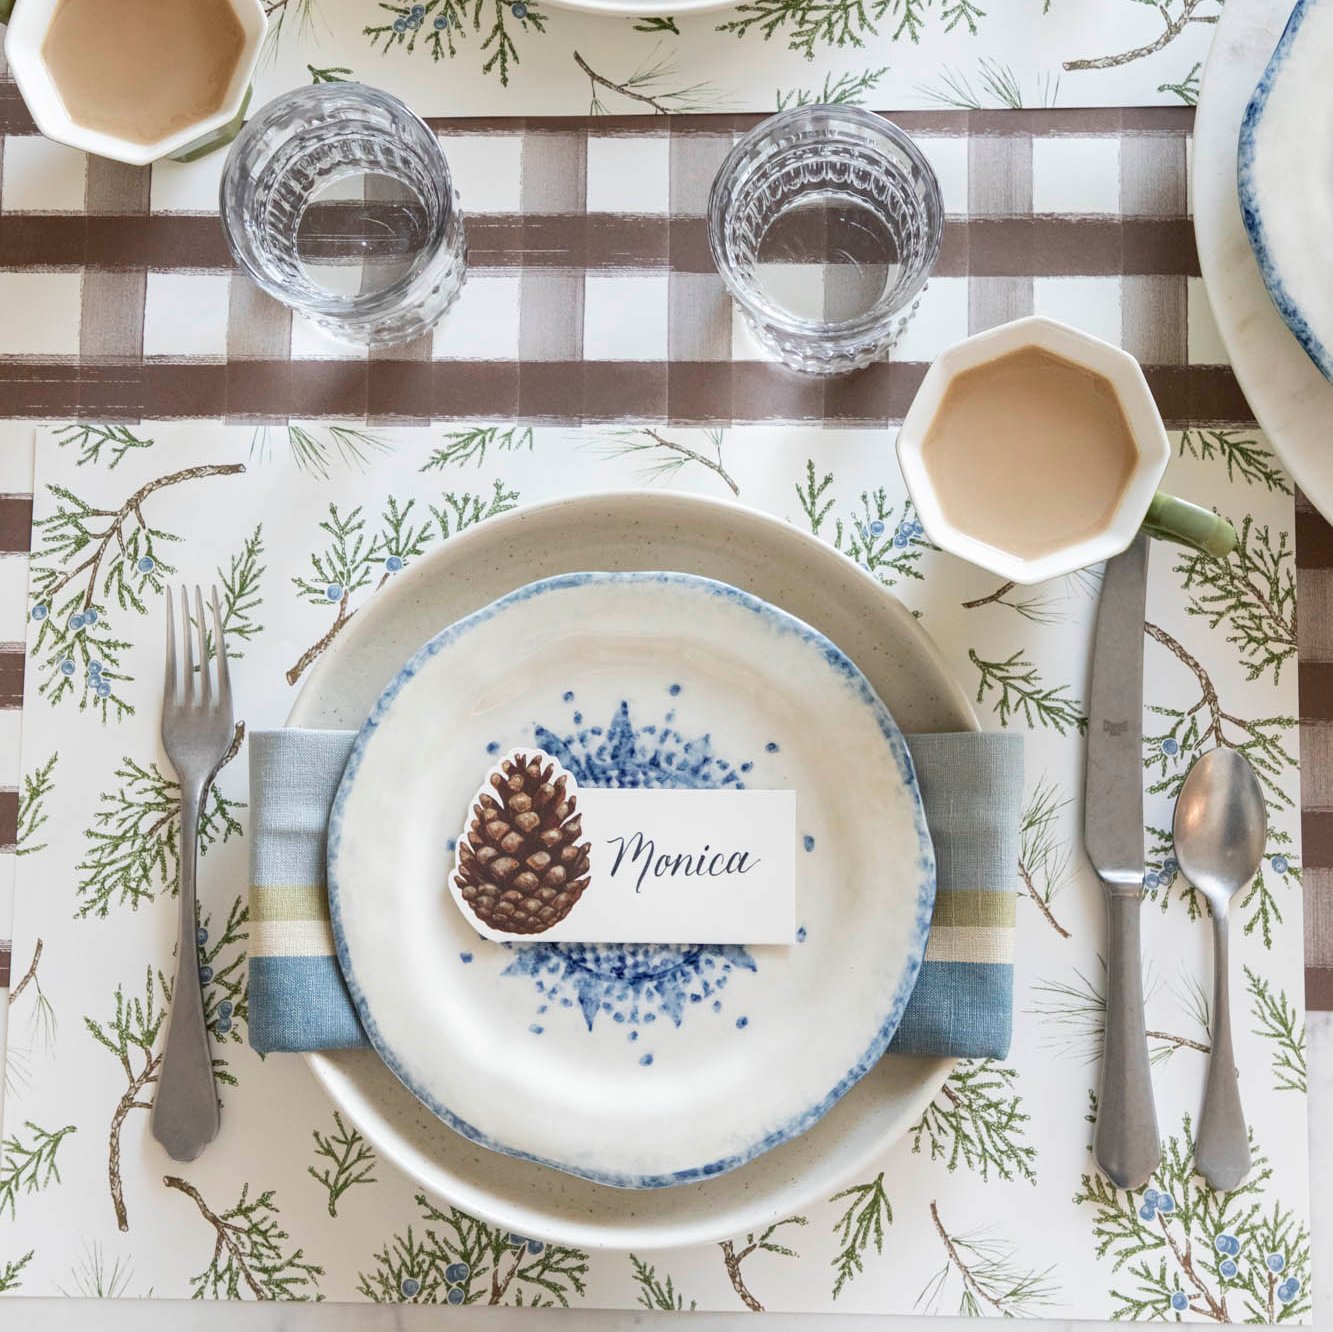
[(1141, 504), (29, 22)]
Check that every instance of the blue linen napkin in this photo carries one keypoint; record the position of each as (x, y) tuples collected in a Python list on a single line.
[(962, 1005)]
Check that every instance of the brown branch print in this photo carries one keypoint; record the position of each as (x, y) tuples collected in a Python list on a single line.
[(1174, 27), (30, 975), (224, 1232), (624, 89), (733, 1258)]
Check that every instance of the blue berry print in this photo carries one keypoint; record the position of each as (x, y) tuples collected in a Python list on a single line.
[(205, 974), (225, 1009), (334, 591), (103, 689), (145, 564), (1152, 880), (1227, 1267), (1275, 1262), (535, 1247), (519, 10), (201, 936), (410, 1287), (1170, 865), (808, 842), (455, 1295), (400, 25), (75, 622), (456, 1272), (1179, 1302), (900, 539), (1147, 1212), (1280, 864), (94, 667), (67, 667), (917, 529), (394, 563), (515, 1240), (223, 1026), (1170, 747), (1166, 1203), (1221, 1243), (1150, 1196), (90, 616), (39, 612), (441, 23), (876, 528), (1288, 1290)]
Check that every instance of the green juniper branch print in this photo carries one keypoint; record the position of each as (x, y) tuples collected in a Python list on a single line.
[(43, 1022), (350, 1161), (241, 596), (977, 1121), (1206, 724), (665, 457), (251, 1254), (11, 1273), (1258, 903), (1252, 592), (765, 1241), (657, 23), (1246, 458), (1075, 1014), (1188, 1250), (315, 449), (1043, 859), (809, 24), (330, 74), (654, 84), (1019, 695), (657, 1292), (353, 558), (133, 845), (222, 973), (844, 90), (28, 1163), (438, 26), (91, 441), (460, 1260), (1187, 89), (37, 785), (990, 1280), (1276, 1020), (90, 564), (472, 444), (862, 1223)]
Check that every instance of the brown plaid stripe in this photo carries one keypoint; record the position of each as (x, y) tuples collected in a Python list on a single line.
[(570, 223)]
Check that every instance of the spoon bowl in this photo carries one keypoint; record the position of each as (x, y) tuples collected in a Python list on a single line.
[(1220, 830)]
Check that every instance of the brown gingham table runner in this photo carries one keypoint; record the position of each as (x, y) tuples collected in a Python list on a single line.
[(591, 234)]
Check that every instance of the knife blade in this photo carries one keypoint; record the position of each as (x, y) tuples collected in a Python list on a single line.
[(1125, 1142)]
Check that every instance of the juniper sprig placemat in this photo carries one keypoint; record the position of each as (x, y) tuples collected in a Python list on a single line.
[(301, 525)]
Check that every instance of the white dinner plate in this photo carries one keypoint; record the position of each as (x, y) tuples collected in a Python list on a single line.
[(1291, 398), (632, 1065), (652, 530)]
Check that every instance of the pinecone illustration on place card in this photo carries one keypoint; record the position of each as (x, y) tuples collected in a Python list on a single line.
[(521, 865)]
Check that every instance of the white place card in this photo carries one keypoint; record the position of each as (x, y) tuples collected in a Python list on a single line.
[(542, 856)]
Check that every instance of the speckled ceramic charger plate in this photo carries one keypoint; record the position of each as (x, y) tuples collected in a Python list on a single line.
[(644, 531), (632, 1065)]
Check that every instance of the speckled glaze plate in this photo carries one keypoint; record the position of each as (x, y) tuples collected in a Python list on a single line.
[(634, 530), (631, 1065), (1285, 178)]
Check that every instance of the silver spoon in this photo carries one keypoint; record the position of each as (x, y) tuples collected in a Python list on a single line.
[(1220, 829)]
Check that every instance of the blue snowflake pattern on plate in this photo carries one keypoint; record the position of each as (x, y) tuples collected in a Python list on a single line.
[(632, 985)]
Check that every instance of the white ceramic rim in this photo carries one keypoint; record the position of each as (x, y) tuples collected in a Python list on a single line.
[(23, 52), (839, 679), (743, 1202), (1103, 358)]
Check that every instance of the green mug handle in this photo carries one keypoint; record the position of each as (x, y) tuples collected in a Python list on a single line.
[(1190, 525)]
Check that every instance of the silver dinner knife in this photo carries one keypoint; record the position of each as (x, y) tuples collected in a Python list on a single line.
[(1125, 1141)]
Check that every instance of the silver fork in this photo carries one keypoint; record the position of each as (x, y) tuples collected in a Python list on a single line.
[(197, 731)]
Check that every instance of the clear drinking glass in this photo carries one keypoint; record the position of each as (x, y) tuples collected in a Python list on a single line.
[(337, 200), (825, 222)]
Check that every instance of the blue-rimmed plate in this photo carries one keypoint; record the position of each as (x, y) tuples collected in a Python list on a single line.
[(1285, 178), (632, 1066)]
